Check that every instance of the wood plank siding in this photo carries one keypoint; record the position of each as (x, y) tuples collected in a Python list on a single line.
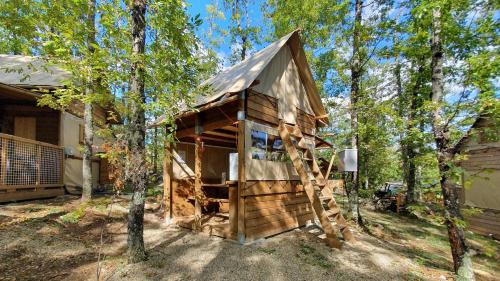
[(262, 108), (306, 122), (486, 223), (272, 207)]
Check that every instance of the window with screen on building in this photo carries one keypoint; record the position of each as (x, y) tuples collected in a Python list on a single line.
[(267, 147)]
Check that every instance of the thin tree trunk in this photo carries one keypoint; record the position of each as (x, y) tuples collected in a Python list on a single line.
[(411, 176), (462, 262), (355, 82), (88, 132), (136, 250), (402, 114), (155, 151)]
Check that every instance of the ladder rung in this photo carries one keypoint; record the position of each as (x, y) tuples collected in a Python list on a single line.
[(333, 212), (302, 144), (320, 184), (295, 131), (325, 198)]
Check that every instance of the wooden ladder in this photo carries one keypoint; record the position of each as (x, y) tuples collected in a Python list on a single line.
[(319, 193)]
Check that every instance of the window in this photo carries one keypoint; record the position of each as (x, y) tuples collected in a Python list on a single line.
[(267, 147), (259, 142)]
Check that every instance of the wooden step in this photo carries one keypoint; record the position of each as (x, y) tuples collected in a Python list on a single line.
[(320, 183), (295, 131), (325, 198), (333, 212), (302, 144)]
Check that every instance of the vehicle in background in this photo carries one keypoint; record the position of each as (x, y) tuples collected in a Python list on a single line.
[(391, 196)]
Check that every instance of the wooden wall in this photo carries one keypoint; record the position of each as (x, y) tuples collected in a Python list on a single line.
[(482, 176), (47, 121), (269, 206), (182, 191), (486, 223), (272, 207), (306, 122), (262, 108), (98, 112)]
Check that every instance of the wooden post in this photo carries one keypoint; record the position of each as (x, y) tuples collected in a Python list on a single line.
[(198, 198), (233, 210), (167, 182), (3, 163), (38, 163), (241, 168), (61, 179), (332, 160)]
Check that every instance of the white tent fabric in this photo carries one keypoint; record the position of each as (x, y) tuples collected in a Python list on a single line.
[(25, 71), (240, 76), (281, 80), (253, 69)]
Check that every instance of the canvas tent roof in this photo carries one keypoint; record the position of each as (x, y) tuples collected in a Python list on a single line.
[(27, 71), (242, 75)]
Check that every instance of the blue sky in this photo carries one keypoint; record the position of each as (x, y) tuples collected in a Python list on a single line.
[(199, 7)]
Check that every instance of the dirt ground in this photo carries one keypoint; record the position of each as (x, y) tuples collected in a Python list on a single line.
[(58, 239)]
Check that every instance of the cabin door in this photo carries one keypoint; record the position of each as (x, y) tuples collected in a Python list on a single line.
[(25, 127)]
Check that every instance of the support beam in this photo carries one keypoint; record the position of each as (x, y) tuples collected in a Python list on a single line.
[(233, 210), (219, 134), (230, 128), (207, 125), (219, 139), (198, 198), (167, 182), (332, 160), (241, 168)]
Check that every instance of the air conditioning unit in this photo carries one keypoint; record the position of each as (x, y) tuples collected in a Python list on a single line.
[(348, 160)]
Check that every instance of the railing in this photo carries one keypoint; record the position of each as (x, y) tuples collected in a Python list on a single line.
[(26, 163)]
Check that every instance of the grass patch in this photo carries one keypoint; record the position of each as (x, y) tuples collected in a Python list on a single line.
[(427, 259), (312, 257), (75, 215), (268, 251), (34, 209)]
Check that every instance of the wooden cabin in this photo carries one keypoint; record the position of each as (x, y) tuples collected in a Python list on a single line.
[(481, 177), (243, 166), (40, 147)]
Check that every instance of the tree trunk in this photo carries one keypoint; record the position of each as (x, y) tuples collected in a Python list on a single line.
[(411, 175), (401, 113), (155, 151), (355, 82), (88, 131), (462, 262), (137, 133)]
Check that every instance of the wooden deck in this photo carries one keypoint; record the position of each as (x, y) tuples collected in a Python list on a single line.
[(29, 169)]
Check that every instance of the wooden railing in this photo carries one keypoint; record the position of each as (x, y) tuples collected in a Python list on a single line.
[(26, 163)]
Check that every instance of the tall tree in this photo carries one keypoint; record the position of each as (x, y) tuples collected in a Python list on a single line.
[(137, 133), (461, 257), (88, 139), (242, 33), (356, 73)]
